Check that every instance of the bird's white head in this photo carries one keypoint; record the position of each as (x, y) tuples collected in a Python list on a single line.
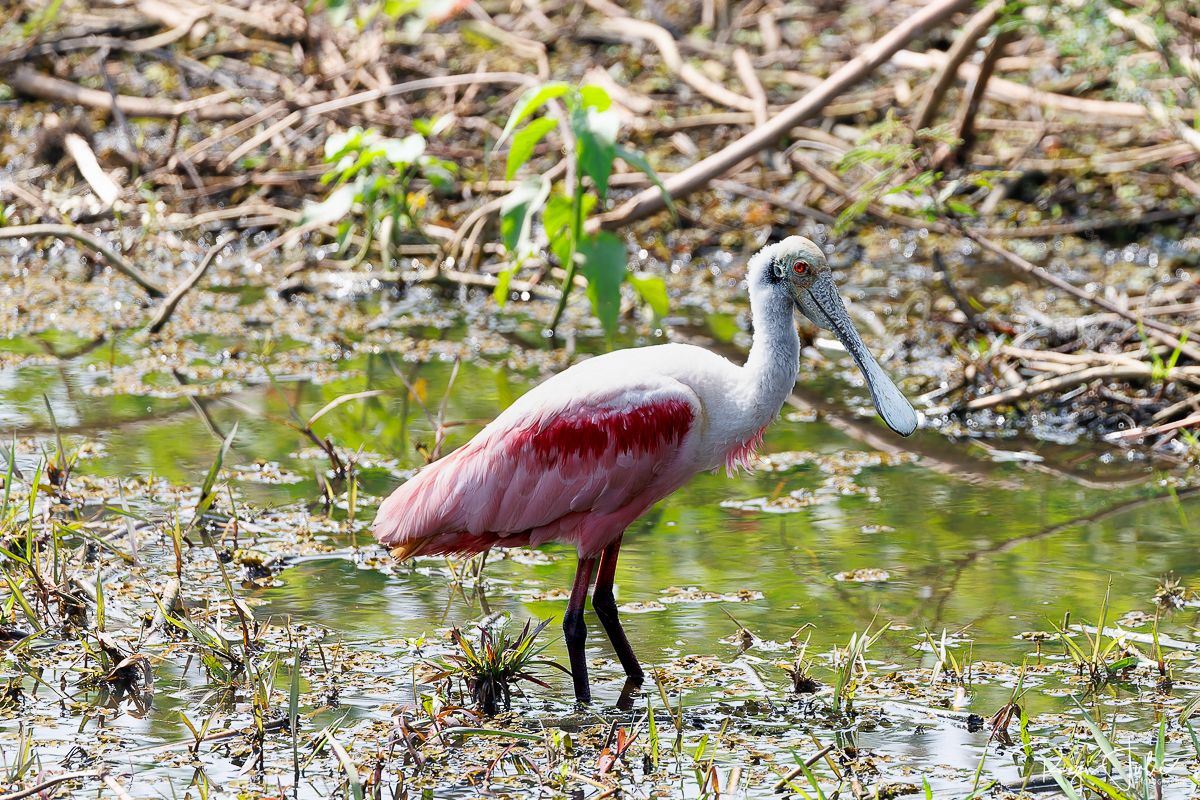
[(797, 268)]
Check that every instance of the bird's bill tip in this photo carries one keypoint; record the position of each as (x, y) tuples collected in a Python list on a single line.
[(821, 304)]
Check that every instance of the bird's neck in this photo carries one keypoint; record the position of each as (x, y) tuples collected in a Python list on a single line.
[(770, 371)]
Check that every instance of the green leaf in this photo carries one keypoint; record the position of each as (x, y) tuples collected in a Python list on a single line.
[(503, 279), (603, 262), (595, 97), (524, 142), (961, 209), (516, 214), (530, 102), (596, 144), (439, 172), (332, 208), (652, 289), (557, 221), (1125, 663), (207, 496), (433, 126), (1102, 741), (639, 162)]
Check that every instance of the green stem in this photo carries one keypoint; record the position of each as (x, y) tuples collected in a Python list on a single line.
[(576, 232)]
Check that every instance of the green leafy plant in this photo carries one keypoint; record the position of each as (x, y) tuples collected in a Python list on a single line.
[(1102, 657), (850, 666), (492, 665), (948, 665), (1160, 370), (1126, 775), (371, 179), (600, 256)]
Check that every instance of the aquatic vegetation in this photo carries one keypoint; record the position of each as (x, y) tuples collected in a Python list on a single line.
[(1099, 658), (495, 663), (948, 664), (850, 667)]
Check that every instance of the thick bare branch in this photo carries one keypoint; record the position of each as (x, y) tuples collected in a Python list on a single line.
[(702, 172)]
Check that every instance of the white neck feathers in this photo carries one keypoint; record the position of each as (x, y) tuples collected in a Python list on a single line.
[(770, 371)]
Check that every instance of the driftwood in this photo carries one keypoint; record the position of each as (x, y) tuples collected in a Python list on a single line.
[(1171, 335), (49, 783), (102, 184), (1059, 383), (964, 123), (662, 39)]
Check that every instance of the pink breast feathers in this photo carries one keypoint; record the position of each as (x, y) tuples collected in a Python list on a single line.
[(742, 455)]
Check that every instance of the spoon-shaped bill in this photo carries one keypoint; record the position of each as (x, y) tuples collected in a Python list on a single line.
[(821, 304)]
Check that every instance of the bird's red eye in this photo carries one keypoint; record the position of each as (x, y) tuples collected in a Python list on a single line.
[(800, 267)]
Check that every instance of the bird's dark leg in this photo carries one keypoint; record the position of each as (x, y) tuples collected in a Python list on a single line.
[(606, 609), (575, 632)]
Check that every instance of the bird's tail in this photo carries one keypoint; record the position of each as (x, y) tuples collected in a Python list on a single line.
[(413, 517), (407, 550), (426, 515)]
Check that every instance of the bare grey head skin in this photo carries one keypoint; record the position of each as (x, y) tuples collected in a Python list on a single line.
[(798, 267)]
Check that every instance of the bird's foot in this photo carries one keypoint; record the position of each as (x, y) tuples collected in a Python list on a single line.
[(629, 692)]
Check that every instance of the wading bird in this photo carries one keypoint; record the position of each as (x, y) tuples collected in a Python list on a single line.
[(584, 454)]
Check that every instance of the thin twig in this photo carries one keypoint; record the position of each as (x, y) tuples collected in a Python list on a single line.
[(163, 315), (71, 232), (1057, 383), (976, 27), (50, 783)]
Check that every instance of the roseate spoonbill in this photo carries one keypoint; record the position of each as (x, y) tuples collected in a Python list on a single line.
[(584, 454)]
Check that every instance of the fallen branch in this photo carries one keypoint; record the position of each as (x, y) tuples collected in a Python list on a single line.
[(208, 109), (1085, 225), (1170, 335), (1155, 430), (70, 232), (964, 124), (963, 46), (1116, 372), (168, 306), (854, 71), (84, 157), (749, 78)]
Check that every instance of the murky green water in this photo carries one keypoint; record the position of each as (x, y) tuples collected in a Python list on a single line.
[(989, 549), (984, 541)]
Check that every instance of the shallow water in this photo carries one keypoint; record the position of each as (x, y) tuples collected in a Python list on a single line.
[(983, 540)]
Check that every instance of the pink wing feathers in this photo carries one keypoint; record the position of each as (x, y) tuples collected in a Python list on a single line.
[(576, 471)]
